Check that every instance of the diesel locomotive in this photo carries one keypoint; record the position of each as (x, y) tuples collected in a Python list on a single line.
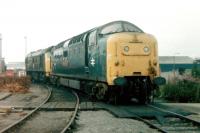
[(112, 62)]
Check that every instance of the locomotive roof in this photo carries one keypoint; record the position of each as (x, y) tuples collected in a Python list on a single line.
[(39, 52), (48, 49), (124, 28), (137, 29), (60, 44), (36, 53)]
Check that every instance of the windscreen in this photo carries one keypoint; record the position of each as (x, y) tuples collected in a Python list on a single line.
[(119, 27)]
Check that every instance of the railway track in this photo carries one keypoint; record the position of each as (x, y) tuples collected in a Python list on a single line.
[(162, 120), (72, 120), (43, 111), (157, 118), (173, 123), (19, 122)]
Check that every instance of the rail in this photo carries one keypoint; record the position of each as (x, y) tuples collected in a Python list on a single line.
[(162, 128), (197, 123), (150, 124), (67, 127), (17, 123)]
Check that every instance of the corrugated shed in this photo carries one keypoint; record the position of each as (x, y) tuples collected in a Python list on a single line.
[(175, 59)]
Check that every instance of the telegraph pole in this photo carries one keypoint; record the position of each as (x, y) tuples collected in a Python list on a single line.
[(0, 46), (25, 52)]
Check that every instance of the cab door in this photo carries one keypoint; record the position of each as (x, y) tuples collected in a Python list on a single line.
[(93, 56), (48, 68)]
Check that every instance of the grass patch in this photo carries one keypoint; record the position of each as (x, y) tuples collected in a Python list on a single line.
[(181, 91)]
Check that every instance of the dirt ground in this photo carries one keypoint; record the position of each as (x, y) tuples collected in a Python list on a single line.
[(8, 112), (8, 118), (33, 98), (46, 122), (14, 84)]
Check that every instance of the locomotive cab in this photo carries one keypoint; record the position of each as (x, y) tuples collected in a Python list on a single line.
[(131, 61)]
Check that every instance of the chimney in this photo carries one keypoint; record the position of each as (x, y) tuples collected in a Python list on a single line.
[(0, 46)]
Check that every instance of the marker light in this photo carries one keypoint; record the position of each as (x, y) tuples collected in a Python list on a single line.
[(126, 48), (146, 49)]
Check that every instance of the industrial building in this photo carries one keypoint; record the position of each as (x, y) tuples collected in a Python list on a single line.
[(17, 67), (170, 63), (170, 66)]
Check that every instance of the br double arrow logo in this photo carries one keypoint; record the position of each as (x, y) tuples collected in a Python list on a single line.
[(92, 61)]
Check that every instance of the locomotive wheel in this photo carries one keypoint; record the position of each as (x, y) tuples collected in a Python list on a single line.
[(125, 98), (143, 94), (112, 96), (101, 90)]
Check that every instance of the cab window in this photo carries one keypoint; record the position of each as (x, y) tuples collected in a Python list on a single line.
[(65, 53), (92, 38), (113, 28), (66, 44), (131, 28)]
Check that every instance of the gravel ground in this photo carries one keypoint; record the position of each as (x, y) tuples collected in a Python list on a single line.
[(192, 107), (46, 122), (33, 98), (8, 118), (104, 122)]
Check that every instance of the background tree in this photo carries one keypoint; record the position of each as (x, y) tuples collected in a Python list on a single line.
[(196, 69)]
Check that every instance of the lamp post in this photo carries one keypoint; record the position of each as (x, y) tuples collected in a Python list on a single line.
[(0, 46), (25, 39)]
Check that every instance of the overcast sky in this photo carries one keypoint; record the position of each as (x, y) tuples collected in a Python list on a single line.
[(175, 23)]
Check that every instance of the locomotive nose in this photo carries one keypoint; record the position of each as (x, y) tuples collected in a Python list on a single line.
[(136, 58), (135, 49), (132, 54)]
